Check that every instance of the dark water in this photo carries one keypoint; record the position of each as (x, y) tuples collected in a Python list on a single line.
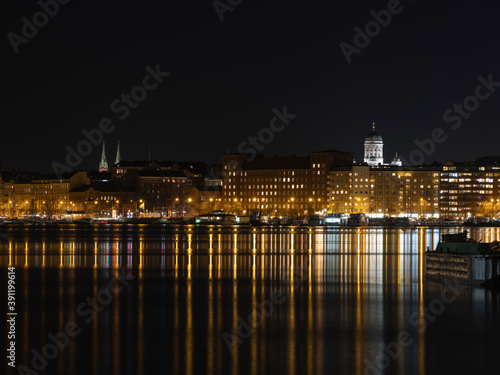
[(185, 300)]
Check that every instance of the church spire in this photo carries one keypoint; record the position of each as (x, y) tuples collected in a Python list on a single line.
[(103, 165), (118, 154)]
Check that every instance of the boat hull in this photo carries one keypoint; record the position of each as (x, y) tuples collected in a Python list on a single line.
[(463, 268)]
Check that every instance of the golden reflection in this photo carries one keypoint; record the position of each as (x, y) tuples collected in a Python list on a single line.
[(218, 267), (60, 317), (26, 314), (234, 267), (26, 254), (291, 323), (62, 250), (72, 254), (175, 347), (319, 310), (141, 250), (253, 338), (253, 267), (210, 326), (95, 253), (140, 328), (176, 267), (358, 350), (117, 255), (310, 324), (235, 355), (43, 299), (210, 266), (71, 317), (382, 262), (116, 329), (421, 338), (219, 323), (95, 324), (189, 323), (43, 254)]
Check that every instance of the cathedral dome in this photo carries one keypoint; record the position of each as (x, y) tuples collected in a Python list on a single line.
[(374, 148), (373, 136)]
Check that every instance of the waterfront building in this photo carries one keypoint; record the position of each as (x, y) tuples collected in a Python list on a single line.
[(39, 193), (470, 189), (165, 191), (105, 199), (279, 186), (205, 199), (385, 190)]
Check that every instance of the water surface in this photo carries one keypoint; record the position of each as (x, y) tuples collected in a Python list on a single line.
[(242, 300)]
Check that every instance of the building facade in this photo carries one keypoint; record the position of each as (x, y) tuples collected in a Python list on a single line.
[(279, 186), (470, 189), (385, 190)]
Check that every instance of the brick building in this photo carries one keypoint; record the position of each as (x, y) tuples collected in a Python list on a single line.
[(279, 186)]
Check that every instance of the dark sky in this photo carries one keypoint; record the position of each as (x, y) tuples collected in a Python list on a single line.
[(226, 78)]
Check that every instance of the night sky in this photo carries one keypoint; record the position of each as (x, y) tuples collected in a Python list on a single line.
[(226, 78)]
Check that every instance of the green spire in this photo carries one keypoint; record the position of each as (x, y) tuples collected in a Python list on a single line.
[(103, 165), (118, 154)]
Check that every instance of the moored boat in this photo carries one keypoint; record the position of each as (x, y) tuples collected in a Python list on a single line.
[(461, 259)]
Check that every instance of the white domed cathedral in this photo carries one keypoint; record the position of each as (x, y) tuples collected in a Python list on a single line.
[(374, 148)]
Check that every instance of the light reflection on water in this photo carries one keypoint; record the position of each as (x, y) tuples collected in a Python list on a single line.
[(346, 291)]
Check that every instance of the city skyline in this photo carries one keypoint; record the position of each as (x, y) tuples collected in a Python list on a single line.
[(321, 183), (116, 154)]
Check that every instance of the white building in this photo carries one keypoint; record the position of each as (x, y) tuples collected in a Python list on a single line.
[(374, 148)]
